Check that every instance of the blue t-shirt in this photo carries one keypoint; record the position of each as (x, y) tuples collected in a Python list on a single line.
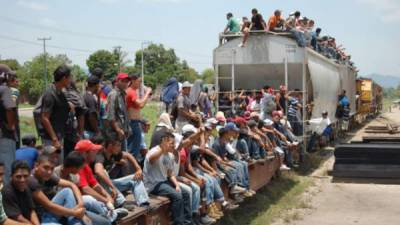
[(28, 154)]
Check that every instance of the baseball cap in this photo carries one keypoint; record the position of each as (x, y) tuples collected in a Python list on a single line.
[(231, 127), (122, 76), (189, 128), (282, 88), (186, 84), (220, 116), (254, 114), (212, 121), (93, 80), (268, 122), (87, 146), (252, 123), (275, 113), (50, 150), (6, 70), (240, 120)]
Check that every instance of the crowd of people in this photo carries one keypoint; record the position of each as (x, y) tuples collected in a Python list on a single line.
[(301, 28), (93, 150)]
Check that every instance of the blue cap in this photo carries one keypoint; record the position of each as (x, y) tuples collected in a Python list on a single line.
[(231, 126)]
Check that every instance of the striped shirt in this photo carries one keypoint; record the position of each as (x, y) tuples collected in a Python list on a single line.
[(292, 103)]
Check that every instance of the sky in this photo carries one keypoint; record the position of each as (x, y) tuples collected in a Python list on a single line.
[(368, 29)]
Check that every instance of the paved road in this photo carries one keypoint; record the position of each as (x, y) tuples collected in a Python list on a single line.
[(361, 203)]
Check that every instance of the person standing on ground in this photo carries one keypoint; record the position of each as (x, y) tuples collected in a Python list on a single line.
[(92, 114), (134, 105), (117, 124), (55, 108), (8, 118)]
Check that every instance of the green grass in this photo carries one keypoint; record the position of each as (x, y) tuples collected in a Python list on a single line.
[(271, 202), (25, 105), (150, 112), (280, 196)]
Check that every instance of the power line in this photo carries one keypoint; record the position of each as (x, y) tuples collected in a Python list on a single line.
[(82, 34), (10, 38), (37, 44)]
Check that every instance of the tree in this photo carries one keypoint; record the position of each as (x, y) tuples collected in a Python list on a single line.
[(208, 76), (105, 60), (160, 64), (12, 63), (31, 75)]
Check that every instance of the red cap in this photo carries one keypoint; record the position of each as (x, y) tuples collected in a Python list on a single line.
[(122, 76), (240, 120), (87, 146), (276, 113), (282, 88)]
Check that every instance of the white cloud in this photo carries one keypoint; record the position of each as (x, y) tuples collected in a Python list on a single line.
[(29, 4), (48, 22), (389, 10)]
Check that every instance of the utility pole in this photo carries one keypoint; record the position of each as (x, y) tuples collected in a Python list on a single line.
[(118, 50), (142, 74), (45, 58)]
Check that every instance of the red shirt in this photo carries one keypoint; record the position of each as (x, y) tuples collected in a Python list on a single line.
[(184, 156), (131, 97), (86, 177)]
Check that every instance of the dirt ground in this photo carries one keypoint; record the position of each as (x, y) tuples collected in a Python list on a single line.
[(347, 203)]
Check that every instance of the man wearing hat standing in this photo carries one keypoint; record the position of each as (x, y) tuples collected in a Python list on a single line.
[(117, 124), (92, 114), (8, 118), (185, 115)]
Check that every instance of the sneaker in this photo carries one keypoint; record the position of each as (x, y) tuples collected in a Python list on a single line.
[(213, 214), (231, 207), (241, 45), (217, 210), (206, 220), (237, 190), (252, 191), (238, 199), (248, 194), (130, 206), (284, 168), (121, 213)]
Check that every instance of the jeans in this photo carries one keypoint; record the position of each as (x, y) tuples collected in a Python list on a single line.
[(313, 139), (136, 186), (98, 208), (231, 175), (194, 191), (65, 198), (296, 125), (213, 191), (255, 150), (7, 156), (135, 139), (180, 202), (299, 36), (243, 172)]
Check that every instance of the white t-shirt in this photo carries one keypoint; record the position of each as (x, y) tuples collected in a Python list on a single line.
[(318, 125), (158, 171)]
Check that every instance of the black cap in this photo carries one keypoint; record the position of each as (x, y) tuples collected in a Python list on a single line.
[(98, 72), (252, 123), (93, 80), (5, 71), (28, 139)]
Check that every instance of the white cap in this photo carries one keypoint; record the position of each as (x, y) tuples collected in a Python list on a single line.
[(186, 84), (189, 128), (268, 122), (212, 121)]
